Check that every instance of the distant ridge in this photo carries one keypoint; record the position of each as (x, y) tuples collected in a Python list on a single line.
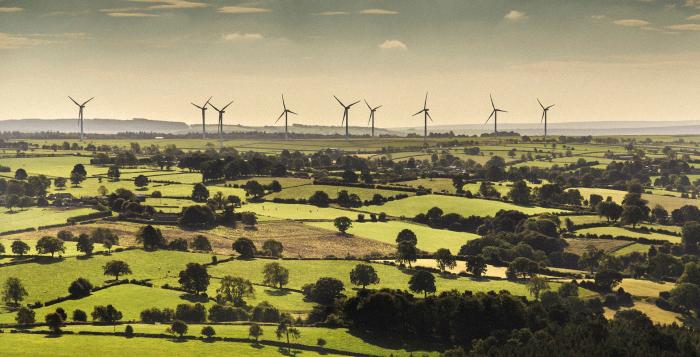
[(597, 128), (95, 126)]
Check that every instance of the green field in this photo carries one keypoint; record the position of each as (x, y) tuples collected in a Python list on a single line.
[(295, 211), (429, 239), (411, 206), (71, 249), (305, 191), (302, 272), (634, 247), (620, 231), (113, 346), (668, 202), (37, 216), (43, 283), (129, 299)]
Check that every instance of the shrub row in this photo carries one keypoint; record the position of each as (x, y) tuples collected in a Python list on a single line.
[(89, 216)]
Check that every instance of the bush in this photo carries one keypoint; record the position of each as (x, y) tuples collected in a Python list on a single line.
[(155, 314), (191, 313), (129, 331), (265, 312), (225, 313), (245, 247), (81, 287), (79, 315)]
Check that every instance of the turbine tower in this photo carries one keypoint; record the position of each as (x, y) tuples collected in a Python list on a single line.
[(426, 116), (545, 110), (494, 114), (285, 115), (80, 113), (203, 108), (221, 122), (346, 116), (371, 115)]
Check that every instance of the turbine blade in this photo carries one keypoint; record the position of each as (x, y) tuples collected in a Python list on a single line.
[(229, 103), (543, 114), (280, 117), (284, 105), (215, 108), (538, 101), (76, 103), (493, 105), (425, 103), (196, 105), (205, 104), (490, 116), (550, 106), (86, 102), (375, 108), (341, 103), (368, 107), (353, 104), (429, 117), (422, 110), (289, 111)]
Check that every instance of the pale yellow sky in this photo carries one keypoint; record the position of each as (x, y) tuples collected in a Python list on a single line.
[(630, 60)]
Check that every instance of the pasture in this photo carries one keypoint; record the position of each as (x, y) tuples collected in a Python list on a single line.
[(429, 239), (305, 191), (411, 206), (37, 216), (625, 232)]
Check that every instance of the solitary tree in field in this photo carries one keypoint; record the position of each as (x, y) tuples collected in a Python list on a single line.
[(13, 291), (342, 224), (520, 193), (113, 173), (116, 268), (254, 189), (422, 282), (54, 321), (363, 275), (60, 182), (632, 215), (275, 274), (80, 287), (25, 316), (445, 259), (286, 328), (536, 285), (194, 278), (178, 328), (476, 265), (273, 248), (208, 332), (141, 181), (21, 174), (406, 253), (255, 331), (245, 247), (19, 247), (76, 179), (102, 191), (200, 193), (201, 243), (85, 244), (48, 244), (233, 290)]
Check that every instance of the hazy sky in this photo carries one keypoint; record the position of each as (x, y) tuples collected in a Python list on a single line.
[(596, 59)]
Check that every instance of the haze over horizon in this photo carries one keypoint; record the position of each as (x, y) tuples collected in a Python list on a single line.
[(609, 60)]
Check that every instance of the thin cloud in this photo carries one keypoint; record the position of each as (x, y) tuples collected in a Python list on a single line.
[(14, 41), (631, 23), (684, 27), (332, 13), (238, 37), (131, 14), (598, 17), (515, 15), (694, 17), (242, 10), (393, 45), (171, 4), (378, 12), (8, 10)]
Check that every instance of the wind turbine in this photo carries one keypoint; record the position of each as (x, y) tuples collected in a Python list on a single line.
[(426, 116), (203, 108), (346, 116), (371, 115), (221, 122), (494, 114), (80, 113), (545, 110), (285, 115)]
